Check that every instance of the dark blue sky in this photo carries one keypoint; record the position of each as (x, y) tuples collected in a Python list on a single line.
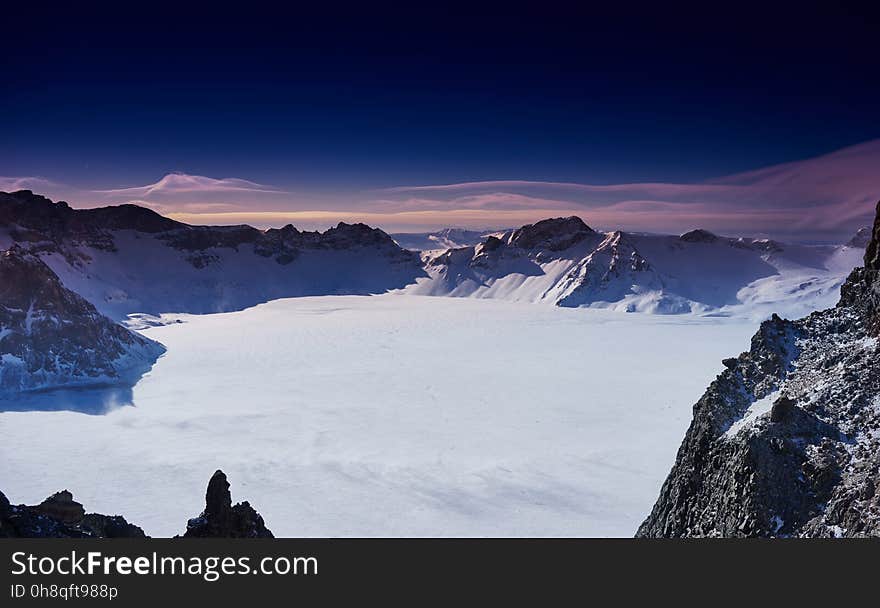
[(120, 97)]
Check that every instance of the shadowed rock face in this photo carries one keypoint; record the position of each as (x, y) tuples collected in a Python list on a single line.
[(51, 337), (555, 234), (32, 211), (809, 464), (42, 225), (698, 236), (60, 516), (221, 519)]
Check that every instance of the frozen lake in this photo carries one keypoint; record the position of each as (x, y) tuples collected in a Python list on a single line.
[(388, 416)]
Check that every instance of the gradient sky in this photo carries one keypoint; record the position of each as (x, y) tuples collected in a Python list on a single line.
[(336, 116)]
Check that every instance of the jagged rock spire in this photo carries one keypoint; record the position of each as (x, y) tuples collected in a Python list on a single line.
[(218, 500), (221, 519)]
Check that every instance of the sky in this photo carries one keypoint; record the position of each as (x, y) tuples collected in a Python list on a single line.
[(414, 119)]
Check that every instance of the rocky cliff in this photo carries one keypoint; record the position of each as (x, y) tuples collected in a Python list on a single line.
[(786, 441)]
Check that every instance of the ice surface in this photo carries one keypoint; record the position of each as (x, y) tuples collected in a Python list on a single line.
[(389, 415)]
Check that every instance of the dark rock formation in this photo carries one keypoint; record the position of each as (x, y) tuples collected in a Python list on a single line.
[(782, 409), (786, 441), (59, 516), (555, 234), (30, 211), (698, 236), (41, 225), (51, 337), (37, 223), (221, 519)]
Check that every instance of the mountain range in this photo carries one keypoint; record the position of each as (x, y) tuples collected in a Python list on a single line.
[(563, 261), (129, 259), (70, 275)]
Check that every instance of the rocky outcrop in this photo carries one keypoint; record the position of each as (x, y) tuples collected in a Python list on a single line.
[(60, 516), (786, 441), (50, 337), (221, 519), (555, 234), (698, 236)]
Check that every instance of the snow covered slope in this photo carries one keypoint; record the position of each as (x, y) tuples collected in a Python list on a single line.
[(448, 238), (562, 261), (50, 337), (128, 259)]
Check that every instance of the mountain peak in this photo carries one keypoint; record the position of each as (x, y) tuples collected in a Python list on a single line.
[(554, 234), (699, 236)]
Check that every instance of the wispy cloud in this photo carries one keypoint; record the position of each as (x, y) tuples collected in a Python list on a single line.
[(822, 197), (826, 197), (36, 184)]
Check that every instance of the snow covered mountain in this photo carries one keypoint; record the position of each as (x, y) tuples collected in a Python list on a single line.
[(786, 441), (50, 337), (448, 238), (128, 259), (563, 261)]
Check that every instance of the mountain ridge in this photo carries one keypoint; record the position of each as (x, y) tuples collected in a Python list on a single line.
[(564, 262), (128, 259)]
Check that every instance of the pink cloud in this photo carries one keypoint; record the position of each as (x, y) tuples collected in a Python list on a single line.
[(826, 197), (36, 184), (815, 198), (181, 183)]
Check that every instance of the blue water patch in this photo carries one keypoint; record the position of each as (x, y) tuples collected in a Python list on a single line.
[(95, 401)]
